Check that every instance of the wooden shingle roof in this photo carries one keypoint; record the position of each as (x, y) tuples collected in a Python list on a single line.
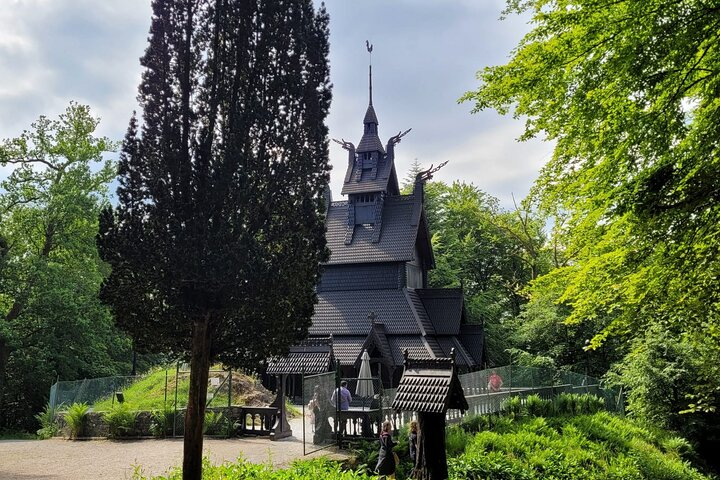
[(311, 356), (429, 385)]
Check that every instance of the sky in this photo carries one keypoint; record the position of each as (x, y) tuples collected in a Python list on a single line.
[(426, 54)]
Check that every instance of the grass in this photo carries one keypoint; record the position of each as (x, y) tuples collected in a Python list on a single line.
[(148, 393)]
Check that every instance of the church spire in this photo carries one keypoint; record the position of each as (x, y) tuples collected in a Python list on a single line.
[(369, 49), (370, 141)]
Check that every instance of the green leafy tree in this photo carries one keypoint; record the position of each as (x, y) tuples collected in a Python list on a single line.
[(628, 91), (218, 235), (491, 253), (51, 321)]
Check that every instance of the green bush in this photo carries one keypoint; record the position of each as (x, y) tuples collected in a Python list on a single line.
[(475, 423), (215, 423), (455, 440), (161, 421), (243, 470), (678, 447), (48, 426), (512, 406), (121, 420), (75, 418), (593, 447), (538, 407)]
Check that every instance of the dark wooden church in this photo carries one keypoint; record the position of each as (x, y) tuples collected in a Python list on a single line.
[(373, 293)]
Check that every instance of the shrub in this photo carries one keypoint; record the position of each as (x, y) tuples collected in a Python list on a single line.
[(538, 407), (215, 423), (121, 420), (455, 440), (678, 447), (512, 406), (75, 419), (161, 421), (475, 423), (241, 470), (48, 426)]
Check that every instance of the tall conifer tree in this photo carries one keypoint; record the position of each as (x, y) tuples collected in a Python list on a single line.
[(218, 233)]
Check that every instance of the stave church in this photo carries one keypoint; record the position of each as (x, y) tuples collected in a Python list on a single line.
[(373, 293)]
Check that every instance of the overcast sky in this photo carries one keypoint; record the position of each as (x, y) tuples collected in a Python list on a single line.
[(426, 54)]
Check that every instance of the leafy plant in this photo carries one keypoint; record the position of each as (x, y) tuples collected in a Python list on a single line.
[(48, 426), (538, 407), (161, 421), (75, 418), (215, 423), (121, 420), (512, 406), (455, 440)]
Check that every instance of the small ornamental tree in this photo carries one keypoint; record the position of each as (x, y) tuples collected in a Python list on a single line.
[(218, 234)]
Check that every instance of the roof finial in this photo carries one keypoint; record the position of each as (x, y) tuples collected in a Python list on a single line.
[(369, 47)]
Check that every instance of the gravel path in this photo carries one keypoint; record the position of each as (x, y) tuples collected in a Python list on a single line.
[(59, 459)]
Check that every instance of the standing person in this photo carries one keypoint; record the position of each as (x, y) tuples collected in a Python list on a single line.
[(344, 397), (495, 382), (386, 457), (412, 440), (341, 399)]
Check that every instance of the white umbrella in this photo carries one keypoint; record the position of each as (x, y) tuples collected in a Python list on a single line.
[(365, 382)]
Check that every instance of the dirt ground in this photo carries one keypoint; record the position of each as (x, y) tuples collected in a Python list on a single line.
[(59, 459)]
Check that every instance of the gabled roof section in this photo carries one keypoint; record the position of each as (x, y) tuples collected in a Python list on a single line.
[(347, 349), (397, 238), (426, 326), (382, 181), (377, 339), (311, 356), (444, 307), (429, 386), (346, 312), (473, 339)]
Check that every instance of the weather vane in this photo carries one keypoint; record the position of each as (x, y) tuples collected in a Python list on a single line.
[(369, 47)]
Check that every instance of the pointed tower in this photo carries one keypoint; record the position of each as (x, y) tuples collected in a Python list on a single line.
[(370, 176)]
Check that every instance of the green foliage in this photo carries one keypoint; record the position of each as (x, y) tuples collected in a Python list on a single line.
[(456, 438), (161, 421), (539, 407), (628, 92), (490, 252), (512, 406), (232, 157), (75, 417), (51, 321), (597, 446), (215, 423), (48, 423), (241, 470), (121, 420)]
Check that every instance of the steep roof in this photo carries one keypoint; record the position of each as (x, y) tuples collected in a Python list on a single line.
[(385, 178), (444, 307), (473, 338), (346, 312), (430, 386), (314, 355), (397, 237)]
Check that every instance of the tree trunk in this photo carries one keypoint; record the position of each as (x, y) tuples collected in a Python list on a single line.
[(197, 396), (431, 460)]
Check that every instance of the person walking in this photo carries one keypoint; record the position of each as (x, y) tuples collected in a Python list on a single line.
[(387, 459), (412, 440)]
